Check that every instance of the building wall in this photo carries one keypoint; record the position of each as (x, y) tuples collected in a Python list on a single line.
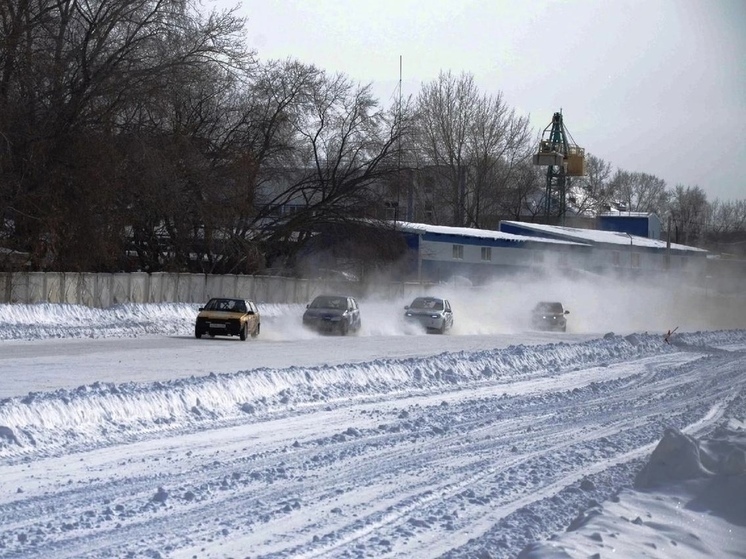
[(453, 256), (648, 225), (646, 262)]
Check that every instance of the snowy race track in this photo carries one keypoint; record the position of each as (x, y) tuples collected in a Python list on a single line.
[(137, 443)]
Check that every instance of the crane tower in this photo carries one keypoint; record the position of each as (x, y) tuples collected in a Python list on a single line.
[(563, 159)]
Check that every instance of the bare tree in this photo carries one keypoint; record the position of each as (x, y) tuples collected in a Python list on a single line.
[(473, 141), (592, 193), (335, 150), (726, 228), (523, 195), (639, 192), (81, 83), (499, 145), (727, 216), (689, 213)]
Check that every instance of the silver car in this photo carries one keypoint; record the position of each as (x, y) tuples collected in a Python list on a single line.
[(433, 313)]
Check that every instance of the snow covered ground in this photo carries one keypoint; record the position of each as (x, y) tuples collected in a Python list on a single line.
[(123, 436)]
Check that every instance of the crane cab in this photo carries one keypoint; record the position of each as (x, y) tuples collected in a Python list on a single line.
[(575, 161)]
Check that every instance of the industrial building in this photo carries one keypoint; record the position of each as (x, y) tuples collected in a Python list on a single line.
[(438, 253), (620, 251)]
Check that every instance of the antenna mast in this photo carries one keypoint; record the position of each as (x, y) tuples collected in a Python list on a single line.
[(399, 132)]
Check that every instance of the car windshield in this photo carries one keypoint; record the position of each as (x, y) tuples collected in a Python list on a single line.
[(329, 302), (235, 305), (549, 307), (427, 303)]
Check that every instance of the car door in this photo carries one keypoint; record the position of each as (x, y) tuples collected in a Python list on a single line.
[(354, 311), (253, 314), (448, 313)]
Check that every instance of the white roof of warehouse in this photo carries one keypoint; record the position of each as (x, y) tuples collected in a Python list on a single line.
[(596, 236), (621, 213), (476, 233)]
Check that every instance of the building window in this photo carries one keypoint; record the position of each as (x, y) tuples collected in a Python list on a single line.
[(427, 186), (487, 254), (458, 252), (635, 259), (616, 258), (391, 210), (429, 214)]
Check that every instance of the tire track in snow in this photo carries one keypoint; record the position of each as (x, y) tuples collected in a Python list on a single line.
[(342, 462)]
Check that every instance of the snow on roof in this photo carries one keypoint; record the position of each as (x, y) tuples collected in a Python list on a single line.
[(597, 236), (477, 233), (622, 213)]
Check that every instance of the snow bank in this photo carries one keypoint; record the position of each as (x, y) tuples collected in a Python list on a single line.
[(46, 320), (107, 413), (689, 501)]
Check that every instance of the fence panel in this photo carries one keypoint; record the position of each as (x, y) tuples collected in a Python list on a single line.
[(6, 287), (104, 290)]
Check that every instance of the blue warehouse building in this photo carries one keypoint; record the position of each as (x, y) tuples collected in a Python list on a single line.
[(640, 224), (620, 251), (438, 253)]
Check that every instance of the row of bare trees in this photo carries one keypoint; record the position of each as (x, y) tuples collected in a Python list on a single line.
[(144, 134), (685, 209)]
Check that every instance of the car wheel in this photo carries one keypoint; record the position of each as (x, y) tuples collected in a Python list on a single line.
[(442, 329), (564, 328), (255, 333), (197, 334), (242, 333), (343, 328)]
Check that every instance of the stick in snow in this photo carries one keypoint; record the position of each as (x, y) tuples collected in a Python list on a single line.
[(668, 335)]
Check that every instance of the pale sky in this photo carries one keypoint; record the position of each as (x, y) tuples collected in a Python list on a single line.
[(656, 86)]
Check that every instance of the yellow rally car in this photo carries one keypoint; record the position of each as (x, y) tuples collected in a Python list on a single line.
[(228, 317)]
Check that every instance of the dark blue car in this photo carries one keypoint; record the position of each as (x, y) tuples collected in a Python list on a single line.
[(333, 314), (549, 316)]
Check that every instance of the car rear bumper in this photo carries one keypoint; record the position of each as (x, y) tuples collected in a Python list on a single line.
[(323, 324)]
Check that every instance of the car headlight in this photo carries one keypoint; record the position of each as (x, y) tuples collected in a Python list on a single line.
[(409, 314), (434, 316)]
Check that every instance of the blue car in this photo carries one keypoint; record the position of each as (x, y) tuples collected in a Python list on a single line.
[(333, 314)]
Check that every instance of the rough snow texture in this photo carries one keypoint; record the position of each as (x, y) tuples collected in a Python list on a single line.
[(621, 445)]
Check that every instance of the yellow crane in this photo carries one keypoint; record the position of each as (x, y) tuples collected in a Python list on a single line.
[(563, 158)]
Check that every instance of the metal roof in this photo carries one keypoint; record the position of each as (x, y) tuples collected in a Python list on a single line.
[(469, 232), (595, 236)]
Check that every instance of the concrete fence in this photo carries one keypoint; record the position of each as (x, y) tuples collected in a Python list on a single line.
[(106, 290)]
